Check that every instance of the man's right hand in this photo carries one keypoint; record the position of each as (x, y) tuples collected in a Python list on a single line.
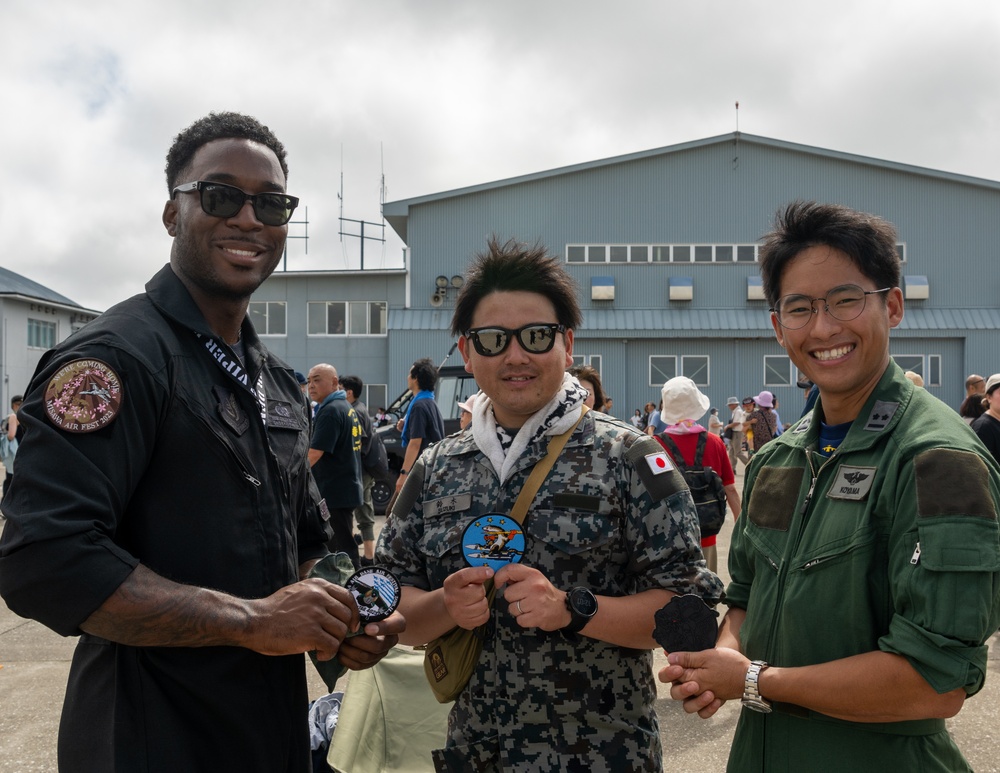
[(465, 596), (309, 615)]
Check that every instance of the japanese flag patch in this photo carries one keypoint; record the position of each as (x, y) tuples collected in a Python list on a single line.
[(659, 463)]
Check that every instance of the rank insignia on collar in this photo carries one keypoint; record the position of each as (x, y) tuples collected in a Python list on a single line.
[(493, 540), (376, 591), (83, 396), (881, 415), (804, 423)]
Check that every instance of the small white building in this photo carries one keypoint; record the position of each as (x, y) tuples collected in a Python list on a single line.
[(34, 319)]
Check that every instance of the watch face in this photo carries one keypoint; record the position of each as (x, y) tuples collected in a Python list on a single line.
[(583, 601)]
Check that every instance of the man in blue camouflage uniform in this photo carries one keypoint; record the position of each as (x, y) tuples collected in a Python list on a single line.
[(866, 564), (564, 681)]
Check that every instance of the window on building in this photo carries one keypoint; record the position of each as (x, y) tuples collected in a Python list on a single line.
[(348, 318), (41, 334), (662, 367), (927, 366), (695, 367), (778, 371), (375, 396), (661, 253), (268, 317)]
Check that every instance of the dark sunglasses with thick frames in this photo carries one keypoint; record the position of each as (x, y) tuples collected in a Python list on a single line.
[(536, 338), (221, 200), (843, 303)]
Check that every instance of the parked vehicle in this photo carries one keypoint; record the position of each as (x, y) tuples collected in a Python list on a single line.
[(454, 385)]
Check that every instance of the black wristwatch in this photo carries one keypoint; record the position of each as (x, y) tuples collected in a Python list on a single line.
[(582, 606)]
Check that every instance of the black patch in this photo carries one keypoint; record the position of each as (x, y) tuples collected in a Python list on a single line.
[(686, 624), (230, 411), (774, 497), (284, 415), (951, 482), (577, 502)]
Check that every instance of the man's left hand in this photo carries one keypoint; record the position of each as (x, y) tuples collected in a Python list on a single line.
[(532, 599), (368, 648)]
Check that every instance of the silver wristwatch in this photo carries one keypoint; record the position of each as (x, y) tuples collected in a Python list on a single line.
[(751, 694)]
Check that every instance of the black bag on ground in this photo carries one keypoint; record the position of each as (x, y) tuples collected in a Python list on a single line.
[(707, 491)]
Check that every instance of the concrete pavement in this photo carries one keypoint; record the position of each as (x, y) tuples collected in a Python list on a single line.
[(34, 663)]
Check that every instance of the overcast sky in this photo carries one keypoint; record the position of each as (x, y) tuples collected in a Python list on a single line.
[(441, 95)]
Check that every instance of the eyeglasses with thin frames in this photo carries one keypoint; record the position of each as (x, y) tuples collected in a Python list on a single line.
[(221, 200), (843, 303), (536, 338)]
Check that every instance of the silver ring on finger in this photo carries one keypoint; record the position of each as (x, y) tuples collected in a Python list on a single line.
[(518, 605)]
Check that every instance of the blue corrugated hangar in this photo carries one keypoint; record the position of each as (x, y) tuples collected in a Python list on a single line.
[(663, 244)]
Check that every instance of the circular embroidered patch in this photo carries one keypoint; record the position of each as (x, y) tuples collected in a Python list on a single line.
[(376, 591), (83, 396), (493, 540)]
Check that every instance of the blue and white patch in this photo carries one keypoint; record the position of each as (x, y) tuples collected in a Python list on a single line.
[(852, 482), (493, 540), (376, 592), (881, 415)]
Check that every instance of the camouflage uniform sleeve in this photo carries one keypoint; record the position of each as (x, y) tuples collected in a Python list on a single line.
[(662, 524), (398, 547)]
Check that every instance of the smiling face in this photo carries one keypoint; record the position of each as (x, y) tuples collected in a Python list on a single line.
[(519, 383), (844, 359), (219, 258)]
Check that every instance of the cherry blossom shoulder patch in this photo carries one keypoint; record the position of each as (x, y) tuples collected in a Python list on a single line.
[(83, 396)]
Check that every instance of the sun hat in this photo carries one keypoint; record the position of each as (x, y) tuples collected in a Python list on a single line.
[(734, 400), (469, 401), (682, 400), (765, 399), (992, 382)]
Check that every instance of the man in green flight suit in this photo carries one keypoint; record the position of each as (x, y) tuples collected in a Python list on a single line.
[(866, 566)]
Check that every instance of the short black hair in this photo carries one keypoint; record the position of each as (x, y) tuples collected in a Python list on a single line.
[(426, 374), (868, 240), (16, 399), (354, 383), (218, 126), (516, 267), (589, 373)]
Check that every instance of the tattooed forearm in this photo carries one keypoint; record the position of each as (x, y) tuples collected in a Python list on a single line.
[(150, 611)]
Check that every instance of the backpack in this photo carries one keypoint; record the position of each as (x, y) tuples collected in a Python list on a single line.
[(707, 491), (375, 460), (8, 448)]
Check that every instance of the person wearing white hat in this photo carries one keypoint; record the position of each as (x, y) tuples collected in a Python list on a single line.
[(466, 408), (683, 405), (762, 421), (987, 426)]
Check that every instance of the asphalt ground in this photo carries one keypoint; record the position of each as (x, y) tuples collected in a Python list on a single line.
[(34, 664)]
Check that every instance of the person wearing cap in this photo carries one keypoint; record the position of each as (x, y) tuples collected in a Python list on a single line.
[(466, 408), (683, 405), (866, 562), (735, 427), (564, 679), (762, 421), (987, 426)]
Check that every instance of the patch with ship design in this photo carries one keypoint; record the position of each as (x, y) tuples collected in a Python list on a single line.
[(83, 396)]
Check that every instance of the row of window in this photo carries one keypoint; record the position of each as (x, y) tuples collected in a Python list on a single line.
[(323, 317), (778, 369), (670, 253)]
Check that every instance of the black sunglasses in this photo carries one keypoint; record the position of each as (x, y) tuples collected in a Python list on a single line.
[(221, 200), (536, 338)]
